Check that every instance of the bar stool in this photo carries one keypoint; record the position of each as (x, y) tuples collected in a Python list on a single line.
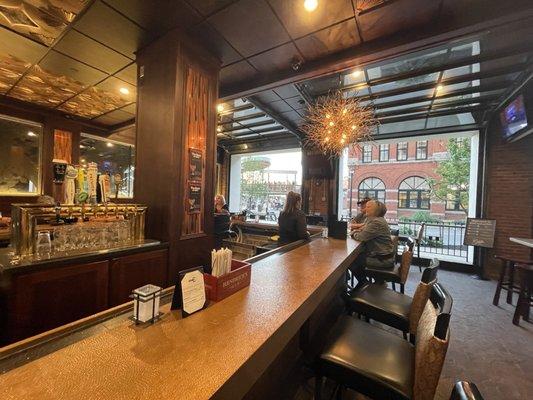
[(399, 273), (525, 292), (508, 270), (379, 364), (391, 308)]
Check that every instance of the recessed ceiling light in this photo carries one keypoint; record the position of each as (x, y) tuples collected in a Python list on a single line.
[(310, 5), (109, 144), (124, 90), (30, 133), (220, 107), (357, 73)]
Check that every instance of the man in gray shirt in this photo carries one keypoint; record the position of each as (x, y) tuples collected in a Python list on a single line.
[(375, 235), (359, 220)]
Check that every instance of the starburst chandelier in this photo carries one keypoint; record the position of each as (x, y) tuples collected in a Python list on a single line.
[(335, 122)]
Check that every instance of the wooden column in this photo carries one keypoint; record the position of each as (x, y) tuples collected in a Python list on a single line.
[(176, 121)]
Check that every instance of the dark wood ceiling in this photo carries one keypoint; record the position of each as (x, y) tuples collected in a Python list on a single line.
[(75, 56)]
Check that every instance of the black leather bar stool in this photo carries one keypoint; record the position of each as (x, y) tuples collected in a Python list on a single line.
[(465, 391), (525, 293), (380, 364), (392, 308), (399, 273), (506, 280)]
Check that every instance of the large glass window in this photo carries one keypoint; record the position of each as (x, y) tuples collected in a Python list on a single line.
[(20, 149), (259, 182), (367, 153), (402, 151), (373, 188), (383, 152), (453, 200), (422, 150), (112, 157), (414, 193)]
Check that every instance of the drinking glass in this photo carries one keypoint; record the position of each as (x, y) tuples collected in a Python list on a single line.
[(44, 244)]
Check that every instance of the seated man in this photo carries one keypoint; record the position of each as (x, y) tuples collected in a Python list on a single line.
[(375, 236), (359, 220)]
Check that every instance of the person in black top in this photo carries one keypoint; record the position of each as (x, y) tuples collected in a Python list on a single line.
[(291, 221), (220, 205)]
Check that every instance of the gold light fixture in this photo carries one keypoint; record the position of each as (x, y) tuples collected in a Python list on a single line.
[(310, 5), (335, 122)]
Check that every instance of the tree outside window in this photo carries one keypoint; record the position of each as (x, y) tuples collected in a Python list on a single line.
[(454, 183)]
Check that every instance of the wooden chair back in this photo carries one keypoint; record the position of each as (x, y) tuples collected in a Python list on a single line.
[(432, 340)]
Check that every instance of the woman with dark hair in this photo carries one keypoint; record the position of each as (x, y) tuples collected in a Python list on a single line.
[(291, 221)]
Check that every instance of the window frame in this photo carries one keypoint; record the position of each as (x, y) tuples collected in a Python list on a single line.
[(384, 149), (419, 148), (364, 153), (362, 193), (455, 201), (409, 197), (402, 149), (40, 145)]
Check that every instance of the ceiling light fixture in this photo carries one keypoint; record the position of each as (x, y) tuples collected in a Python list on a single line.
[(335, 122), (109, 144), (219, 129), (439, 88), (32, 134), (310, 5), (124, 90), (220, 108), (357, 73)]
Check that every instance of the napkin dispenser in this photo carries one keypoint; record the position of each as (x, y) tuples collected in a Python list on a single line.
[(337, 229)]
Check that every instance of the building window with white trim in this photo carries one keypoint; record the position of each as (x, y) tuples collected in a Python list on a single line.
[(422, 150), (383, 152), (414, 193), (367, 153), (401, 151), (373, 188)]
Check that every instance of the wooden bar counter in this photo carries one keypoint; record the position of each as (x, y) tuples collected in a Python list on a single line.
[(219, 352)]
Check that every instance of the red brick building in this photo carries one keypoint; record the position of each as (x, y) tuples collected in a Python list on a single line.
[(397, 173)]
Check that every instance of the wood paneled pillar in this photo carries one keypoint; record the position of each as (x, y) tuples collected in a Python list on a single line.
[(176, 122)]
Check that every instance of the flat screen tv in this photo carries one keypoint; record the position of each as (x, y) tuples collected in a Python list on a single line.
[(513, 119)]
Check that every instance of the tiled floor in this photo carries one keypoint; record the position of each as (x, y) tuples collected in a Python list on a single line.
[(485, 347)]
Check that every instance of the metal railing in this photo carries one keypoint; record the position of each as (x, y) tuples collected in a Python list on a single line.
[(444, 238)]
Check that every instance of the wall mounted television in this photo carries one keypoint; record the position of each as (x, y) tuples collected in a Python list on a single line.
[(514, 119)]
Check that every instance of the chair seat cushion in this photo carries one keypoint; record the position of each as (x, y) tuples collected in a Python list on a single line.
[(381, 304), (388, 275), (368, 359)]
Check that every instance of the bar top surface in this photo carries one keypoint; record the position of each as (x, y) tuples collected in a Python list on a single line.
[(522, 241), (216, 353)]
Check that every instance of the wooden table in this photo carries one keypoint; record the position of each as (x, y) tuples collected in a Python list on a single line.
[(217, 353), (522, 241)]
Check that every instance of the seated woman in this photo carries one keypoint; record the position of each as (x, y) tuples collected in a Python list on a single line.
[(220, 205), (291, 221), (378, 250)]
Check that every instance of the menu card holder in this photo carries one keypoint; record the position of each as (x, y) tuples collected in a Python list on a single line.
[(190, 293)]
